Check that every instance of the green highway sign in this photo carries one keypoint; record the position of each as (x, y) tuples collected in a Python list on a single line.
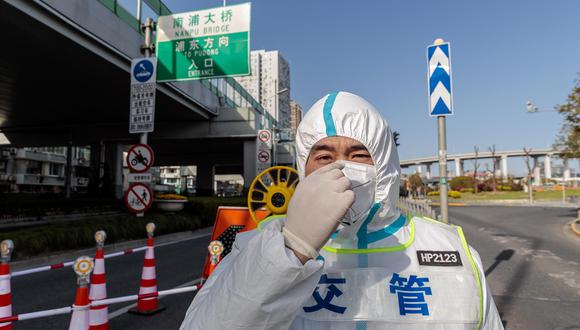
[(204, 44)]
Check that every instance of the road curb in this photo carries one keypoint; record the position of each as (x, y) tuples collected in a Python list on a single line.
[(573, 226), (64, 256), (449, 204)]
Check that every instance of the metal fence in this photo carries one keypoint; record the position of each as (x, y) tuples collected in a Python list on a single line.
[(416, 207)]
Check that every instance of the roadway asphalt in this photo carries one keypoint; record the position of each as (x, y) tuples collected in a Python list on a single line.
[(531, 261), (537, 287)]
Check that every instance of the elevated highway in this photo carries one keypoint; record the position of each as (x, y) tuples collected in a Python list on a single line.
[(64, 80), (498, 156)]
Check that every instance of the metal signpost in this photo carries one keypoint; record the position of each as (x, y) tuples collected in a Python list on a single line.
[(141, 121), (263, 150), (440, 105), (204, 44), (138, 198)]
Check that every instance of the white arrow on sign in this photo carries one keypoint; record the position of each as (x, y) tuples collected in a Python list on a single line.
[(441, 92), (438, 59)]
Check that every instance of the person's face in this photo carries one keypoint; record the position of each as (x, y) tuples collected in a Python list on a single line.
[(331, 149)]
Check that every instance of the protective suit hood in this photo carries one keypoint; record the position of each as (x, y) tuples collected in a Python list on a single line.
[(349, 115)]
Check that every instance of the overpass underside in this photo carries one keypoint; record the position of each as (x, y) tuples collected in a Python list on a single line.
[(64, 80)]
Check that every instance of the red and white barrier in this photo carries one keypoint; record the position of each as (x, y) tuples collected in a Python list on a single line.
[(70, 263), (148, 285), (110, 301), (99, 315), (6, 248)]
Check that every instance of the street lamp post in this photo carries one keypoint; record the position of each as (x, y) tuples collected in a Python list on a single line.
[(531, 108)]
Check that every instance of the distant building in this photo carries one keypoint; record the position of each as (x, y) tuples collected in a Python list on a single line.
[(295, 115), (182, 177), (269, 84), (42, 170)]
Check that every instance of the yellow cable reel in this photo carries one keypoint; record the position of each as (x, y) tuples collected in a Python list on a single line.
[(271, 190)]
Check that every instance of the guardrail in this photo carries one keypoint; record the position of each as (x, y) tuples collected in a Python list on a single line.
[(416, 207)]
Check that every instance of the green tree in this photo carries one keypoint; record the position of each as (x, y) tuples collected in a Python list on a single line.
[(460, 182), (569, 138), (415, 181)]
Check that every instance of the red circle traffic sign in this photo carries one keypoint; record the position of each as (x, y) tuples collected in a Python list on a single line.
[(264, 135), (140, 158), (263, 156), (138, 198)]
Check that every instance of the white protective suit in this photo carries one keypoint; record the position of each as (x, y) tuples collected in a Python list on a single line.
[(386, 272)]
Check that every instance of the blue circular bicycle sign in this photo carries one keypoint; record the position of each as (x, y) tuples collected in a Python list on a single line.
[(143, 71)]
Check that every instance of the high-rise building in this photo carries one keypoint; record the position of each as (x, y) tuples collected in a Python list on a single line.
[(269, 84), (295, 115)]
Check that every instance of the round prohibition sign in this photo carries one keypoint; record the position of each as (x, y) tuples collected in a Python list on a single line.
[(140, 158), (263, 156), (264, 136), (138, 198)]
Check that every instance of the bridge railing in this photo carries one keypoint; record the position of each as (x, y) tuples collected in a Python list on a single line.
[(416, 207), (228, 89)]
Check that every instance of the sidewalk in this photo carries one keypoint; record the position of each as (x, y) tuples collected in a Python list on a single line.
[(508, 202), (521, 202), (64, 256)]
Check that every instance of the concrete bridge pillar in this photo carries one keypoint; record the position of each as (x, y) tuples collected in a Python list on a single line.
[(428, 172), (458, 167), (113, 170), (249, 163), (547, 166), (205, 179), (504, 167), (566, 174), (537, 176), (420, 169)]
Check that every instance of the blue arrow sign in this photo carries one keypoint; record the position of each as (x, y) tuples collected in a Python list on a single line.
[(439, 80)]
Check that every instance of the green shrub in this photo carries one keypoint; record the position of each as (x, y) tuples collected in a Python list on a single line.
[(467, 190), (450, 193), (454, 194), (73, 235), (459, 182)]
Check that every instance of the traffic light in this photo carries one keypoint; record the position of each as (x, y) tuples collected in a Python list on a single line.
[(396, 138)]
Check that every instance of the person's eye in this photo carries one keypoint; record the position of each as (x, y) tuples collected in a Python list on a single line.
[(324, 158), (361, 156)]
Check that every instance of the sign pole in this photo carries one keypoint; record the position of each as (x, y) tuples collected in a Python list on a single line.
[(443, 168), (147, 50), (440, 105)]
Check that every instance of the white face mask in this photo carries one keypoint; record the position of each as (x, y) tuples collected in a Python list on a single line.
[(363, 179)]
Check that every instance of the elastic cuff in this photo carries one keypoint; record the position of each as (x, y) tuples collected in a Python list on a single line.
[(297, 244)]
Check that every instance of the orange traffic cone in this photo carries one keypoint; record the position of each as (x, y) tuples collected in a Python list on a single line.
[(99, 315), (6, 248), (148, 306), (80, 316)]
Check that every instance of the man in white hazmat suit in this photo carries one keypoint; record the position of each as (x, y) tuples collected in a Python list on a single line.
[(344, 257)]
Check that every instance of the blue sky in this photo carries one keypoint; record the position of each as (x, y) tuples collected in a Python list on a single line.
[(503, 54)]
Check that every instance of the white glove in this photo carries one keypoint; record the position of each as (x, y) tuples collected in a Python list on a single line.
[(315, 210)]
